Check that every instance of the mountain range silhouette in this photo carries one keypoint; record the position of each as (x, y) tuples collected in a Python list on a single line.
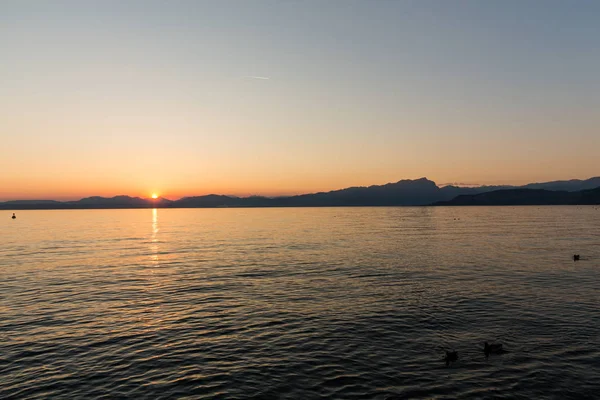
[(417, 192)]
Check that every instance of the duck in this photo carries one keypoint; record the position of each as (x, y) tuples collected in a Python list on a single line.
[(451, 356), (494, 348), (575, 257), (14, 216)]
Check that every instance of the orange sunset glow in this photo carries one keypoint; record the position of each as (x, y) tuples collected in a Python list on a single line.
[(228, 108)]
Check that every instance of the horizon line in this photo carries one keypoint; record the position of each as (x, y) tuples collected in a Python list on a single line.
[(442, 185)]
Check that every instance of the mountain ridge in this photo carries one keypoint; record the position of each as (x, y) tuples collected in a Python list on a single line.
[(526, 196), (406, 192)]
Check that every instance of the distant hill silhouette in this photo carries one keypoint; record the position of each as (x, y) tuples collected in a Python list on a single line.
[(402, 193), (572, 185), (117, 201), (31, 202), (520, 197), (86, 203)]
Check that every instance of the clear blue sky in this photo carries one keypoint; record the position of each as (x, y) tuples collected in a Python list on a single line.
[(276, 97)]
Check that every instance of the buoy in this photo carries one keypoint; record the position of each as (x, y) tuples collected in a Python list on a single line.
[(451, 356), (494, 348)]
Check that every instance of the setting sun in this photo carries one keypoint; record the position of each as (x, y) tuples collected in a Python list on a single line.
[(154, 196)]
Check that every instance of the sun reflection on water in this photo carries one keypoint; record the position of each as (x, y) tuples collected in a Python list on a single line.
[(154, 239)]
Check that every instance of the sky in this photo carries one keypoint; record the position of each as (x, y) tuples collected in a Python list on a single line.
[(281, 97)]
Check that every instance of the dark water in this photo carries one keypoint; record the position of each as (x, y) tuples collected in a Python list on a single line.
[(341, 303)]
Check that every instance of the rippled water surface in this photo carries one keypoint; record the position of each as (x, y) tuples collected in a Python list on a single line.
[(301, 303)]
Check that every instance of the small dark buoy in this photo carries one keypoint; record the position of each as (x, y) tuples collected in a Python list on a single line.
[(575, 257), (451, 356), (14, 216), (494, 348)]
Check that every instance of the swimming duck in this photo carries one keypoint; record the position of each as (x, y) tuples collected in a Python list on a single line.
[(14, 216), (494, 348), (575, 257), (451, 356)]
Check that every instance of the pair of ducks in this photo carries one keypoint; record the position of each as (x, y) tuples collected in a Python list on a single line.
[(494, 348)]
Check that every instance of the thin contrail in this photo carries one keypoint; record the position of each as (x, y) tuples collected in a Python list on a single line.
[(265, 78)]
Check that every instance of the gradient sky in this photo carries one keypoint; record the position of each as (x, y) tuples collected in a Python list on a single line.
[(279, 97)]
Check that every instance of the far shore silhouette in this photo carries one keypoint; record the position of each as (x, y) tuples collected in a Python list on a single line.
[(418, 192)]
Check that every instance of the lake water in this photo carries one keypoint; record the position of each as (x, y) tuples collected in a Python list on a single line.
[(300, 303)]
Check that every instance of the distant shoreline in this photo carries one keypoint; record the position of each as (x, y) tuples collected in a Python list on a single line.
[(280, 207), (404, 193)]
